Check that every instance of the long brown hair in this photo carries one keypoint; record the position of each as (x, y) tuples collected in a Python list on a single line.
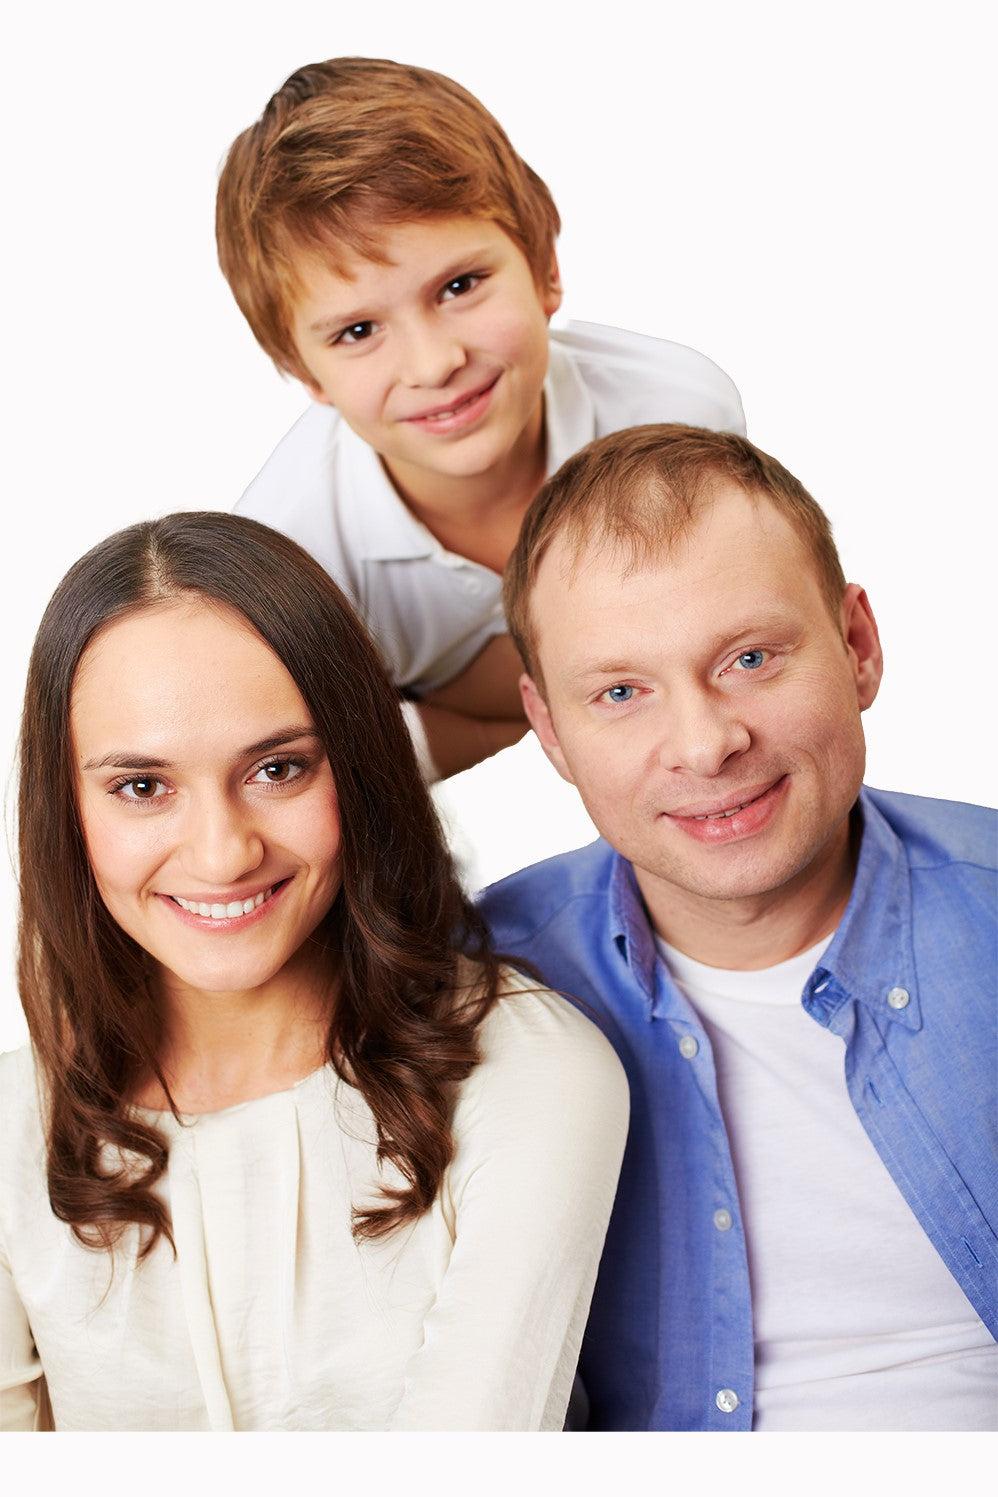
[(403, 1026)]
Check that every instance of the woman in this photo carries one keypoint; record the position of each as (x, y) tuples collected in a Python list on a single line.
[(296, 1164)]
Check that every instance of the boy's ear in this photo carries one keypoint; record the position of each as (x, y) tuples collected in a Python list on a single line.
[(317, 392), (539, 719), (551, 292), (859, 630)]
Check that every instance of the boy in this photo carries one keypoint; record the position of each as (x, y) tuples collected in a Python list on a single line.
[(390, 249)]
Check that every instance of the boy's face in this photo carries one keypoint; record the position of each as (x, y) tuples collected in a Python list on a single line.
[(707, 706), (436, 358)]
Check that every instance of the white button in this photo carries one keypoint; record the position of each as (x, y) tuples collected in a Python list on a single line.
[(727, 1400), (722, 1220), (472, 585), (688, 1047), (899, 997)]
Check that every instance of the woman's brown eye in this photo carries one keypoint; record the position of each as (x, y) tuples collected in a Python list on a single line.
[(278, 771)]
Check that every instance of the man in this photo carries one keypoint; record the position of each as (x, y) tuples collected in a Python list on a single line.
[(797, 972)]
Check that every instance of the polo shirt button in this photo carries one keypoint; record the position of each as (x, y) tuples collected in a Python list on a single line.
[(727, 1400), (899, 997), (722, 1220), (688, 1047)]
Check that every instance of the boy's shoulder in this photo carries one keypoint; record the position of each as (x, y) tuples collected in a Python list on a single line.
[(633, 379)]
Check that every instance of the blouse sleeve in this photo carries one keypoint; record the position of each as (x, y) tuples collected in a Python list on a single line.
[(23, 1400), (540, 1129)]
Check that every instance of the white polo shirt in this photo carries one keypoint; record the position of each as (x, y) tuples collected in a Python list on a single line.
[(429, 610)]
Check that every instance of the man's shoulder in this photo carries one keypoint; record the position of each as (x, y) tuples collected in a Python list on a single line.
[(522, 905), (635, 378), (937, 833)]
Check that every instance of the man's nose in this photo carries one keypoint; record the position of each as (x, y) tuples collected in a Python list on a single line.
[(704, 729)]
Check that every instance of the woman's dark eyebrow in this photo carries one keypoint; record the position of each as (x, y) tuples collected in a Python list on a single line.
[(129, 759)]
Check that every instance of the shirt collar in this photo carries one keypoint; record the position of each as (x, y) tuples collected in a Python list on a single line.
[(569, 413), (869, 959), (377, 524)]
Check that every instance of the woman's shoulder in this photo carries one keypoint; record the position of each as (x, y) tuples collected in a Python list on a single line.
[(22, 1134), (19, 1099), (544, 1033)]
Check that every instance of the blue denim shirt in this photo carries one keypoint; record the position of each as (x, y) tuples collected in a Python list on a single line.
[(909, 982)]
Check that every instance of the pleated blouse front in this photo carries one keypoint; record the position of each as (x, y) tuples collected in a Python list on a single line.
[(272, 1315)]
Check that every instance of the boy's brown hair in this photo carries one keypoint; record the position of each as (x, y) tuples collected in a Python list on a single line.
[(641, 489), (346, 148)]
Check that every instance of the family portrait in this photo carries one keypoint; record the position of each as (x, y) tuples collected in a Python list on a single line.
[(501, 899)]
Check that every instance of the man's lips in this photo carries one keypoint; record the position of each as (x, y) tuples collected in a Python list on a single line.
[(740, 814), (711, 810), (456, 406)]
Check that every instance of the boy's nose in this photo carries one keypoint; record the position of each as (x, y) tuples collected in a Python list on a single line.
[(430, 356)]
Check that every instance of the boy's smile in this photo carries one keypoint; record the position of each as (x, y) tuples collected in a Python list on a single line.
[(436, 357)]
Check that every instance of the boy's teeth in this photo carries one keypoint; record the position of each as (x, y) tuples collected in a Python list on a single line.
[(224, 911)]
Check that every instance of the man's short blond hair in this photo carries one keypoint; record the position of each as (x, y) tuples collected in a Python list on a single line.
[(638, 491), (344, 150)]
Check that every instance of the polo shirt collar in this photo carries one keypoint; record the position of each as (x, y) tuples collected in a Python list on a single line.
[(378, 525)]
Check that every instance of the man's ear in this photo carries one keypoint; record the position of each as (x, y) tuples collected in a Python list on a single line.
[(859, 630), (551, 292), (539, 719)]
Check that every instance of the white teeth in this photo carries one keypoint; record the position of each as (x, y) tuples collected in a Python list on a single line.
[(230, 911), (720, 815)]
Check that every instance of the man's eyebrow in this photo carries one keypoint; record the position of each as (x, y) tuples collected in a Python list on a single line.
[(131, 759), (759, 627)]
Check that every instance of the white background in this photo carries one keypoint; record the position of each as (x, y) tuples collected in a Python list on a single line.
[(798, 191)]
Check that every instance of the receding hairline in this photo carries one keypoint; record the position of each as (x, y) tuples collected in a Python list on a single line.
[(581, 540)]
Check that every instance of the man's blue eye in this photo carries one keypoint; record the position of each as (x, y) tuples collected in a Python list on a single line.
[(751, 660), (620, 693)]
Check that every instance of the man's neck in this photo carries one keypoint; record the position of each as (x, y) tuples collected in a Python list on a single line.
[(751, 934)]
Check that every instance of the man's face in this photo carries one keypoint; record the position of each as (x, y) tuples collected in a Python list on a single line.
[(707, 706), (436, 358)]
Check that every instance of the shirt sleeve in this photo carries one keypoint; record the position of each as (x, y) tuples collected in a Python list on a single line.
[(23, 1399), (540, 1126)]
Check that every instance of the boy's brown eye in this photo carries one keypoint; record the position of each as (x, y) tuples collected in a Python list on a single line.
[(355, 333), (461, 284)]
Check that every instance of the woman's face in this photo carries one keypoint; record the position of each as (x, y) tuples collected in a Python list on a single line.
[(206, 799)]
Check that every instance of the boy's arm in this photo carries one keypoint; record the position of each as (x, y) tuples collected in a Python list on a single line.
[(455, 741), (477, 713)]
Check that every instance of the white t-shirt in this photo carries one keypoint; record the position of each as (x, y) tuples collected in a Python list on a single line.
[(858, 1324), (272, 1316), (430, 611)]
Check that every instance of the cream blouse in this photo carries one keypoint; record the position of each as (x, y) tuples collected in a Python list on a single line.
[(272, 1316)]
